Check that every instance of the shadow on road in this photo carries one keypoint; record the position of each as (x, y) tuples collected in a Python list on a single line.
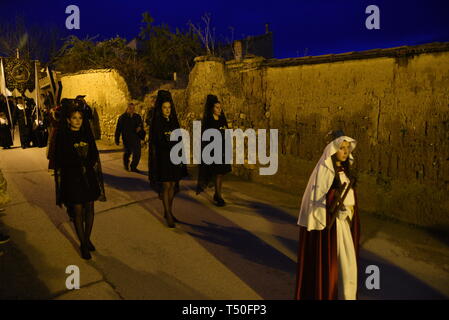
[(269, 212), (266, 270), (18, 278), (395, 283), (138, 285), (126, 183)]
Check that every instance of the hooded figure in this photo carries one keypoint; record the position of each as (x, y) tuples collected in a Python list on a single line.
[(213, 173), (327, 255), (163, 174)]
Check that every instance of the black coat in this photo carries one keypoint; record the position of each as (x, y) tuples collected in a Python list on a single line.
[(5, 135), (161, 169), (77, 167), (127, 128), (207, 172)]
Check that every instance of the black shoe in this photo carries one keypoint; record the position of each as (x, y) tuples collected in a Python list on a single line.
[(135, 170), (219, 202), (85, 254), (4, 238), (90, 246), (170, 220)]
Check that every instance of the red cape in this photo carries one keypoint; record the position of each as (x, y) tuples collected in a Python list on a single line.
[(317, 271)]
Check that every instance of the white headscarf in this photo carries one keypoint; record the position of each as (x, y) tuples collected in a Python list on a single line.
[(313, 206)]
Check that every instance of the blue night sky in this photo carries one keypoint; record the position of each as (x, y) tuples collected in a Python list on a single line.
[(314, 27)]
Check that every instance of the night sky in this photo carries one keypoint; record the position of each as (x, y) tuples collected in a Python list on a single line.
[(300, 27)]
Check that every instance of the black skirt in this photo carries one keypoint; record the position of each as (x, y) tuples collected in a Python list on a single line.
[(208, 172), (77, 166), (77, 188), (161, 167), (167, 171)]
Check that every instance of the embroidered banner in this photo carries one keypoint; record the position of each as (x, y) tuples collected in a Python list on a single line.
[(19, 74)]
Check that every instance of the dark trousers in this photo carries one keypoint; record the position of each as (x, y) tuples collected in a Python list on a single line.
[(133, 149)]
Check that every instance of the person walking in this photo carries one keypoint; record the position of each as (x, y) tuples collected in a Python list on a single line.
[(212, 174), (130, 128), (78, 176), (329, 232), (163, 174)]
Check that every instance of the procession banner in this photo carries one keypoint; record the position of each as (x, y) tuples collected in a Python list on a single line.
[(19, 74)]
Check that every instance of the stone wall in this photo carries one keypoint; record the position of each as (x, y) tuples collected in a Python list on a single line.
[(395, 102), (106, 92)]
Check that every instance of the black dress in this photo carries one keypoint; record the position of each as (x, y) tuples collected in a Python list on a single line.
[(5, 134), (23, 118), (78, 179), (160, 165), (207, 172)]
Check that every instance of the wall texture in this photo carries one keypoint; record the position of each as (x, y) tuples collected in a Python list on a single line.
[(395, 102), (106, 92)]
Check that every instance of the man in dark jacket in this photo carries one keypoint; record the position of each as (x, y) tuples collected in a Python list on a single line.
[(130, 127)]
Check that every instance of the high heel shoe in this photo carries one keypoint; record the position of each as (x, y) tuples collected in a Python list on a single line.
[(170, 220), (90, 245), (219, 202), (85, 254)]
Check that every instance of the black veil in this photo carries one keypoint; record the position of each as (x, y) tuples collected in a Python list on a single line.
[(205, 175)]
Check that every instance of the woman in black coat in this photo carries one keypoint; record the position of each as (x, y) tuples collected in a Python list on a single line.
[(78, 173), (163, 174), (22, 116), (5, 132), (208, 174)]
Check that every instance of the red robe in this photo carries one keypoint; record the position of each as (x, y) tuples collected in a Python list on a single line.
[(317, 271)]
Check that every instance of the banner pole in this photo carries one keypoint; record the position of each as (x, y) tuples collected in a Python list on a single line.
[(3, 89)]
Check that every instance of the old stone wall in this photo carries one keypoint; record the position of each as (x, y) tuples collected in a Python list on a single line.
[(395, 102), (106, 92)]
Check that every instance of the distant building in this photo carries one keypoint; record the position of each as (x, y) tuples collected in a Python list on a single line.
[(261, 45)]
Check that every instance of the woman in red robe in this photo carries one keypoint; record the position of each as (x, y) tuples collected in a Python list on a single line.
[(328, 254)]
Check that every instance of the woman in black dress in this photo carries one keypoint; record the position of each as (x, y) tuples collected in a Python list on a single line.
[(212, 174), (163, 174), (22, 115), (78, 174), (5, 132)]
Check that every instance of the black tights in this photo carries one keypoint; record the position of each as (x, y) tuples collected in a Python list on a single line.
[(168, 193), (218, 183), (83, 215)]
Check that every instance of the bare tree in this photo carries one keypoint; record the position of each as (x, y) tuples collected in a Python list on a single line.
[(205, 34)]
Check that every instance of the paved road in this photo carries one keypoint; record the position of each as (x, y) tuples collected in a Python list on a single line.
[(246, 250)]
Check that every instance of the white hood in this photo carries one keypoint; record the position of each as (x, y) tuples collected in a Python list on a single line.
[(312, 213)]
